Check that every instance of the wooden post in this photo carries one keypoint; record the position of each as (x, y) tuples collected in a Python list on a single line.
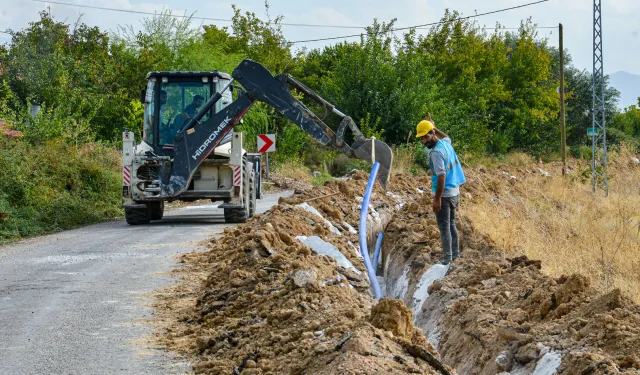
[(562, 117)]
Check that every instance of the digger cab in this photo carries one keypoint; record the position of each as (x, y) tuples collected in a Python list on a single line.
[(172, 98)]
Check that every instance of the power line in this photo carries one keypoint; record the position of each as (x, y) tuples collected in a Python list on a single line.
[(419, 28), (517, 28), (427, 24), (283, 23), (191, 17), (125, 10), (423, 26)]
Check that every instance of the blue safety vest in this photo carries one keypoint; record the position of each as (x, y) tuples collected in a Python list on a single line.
[(455, 176)]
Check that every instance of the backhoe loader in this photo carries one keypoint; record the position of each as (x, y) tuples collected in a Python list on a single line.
[(189, 151)]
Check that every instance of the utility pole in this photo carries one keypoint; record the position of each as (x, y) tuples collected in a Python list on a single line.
[(598, 129), (563, 148)]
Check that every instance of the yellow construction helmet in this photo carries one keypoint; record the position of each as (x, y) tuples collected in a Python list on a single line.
[(424, 127)]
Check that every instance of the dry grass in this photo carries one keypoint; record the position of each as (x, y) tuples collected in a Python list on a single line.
[(561, 222), (518, 159), (478, 161), (294, 169), (403, 158)]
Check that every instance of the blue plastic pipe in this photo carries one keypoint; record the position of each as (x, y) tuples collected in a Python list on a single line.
[(376, 254), (363, 231)]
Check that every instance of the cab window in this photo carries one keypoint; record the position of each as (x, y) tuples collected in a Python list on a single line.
[(183, 101)]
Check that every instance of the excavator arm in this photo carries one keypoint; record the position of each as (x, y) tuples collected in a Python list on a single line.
[(195, 140)]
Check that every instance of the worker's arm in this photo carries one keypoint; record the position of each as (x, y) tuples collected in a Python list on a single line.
[(438, 198), (439, 133)]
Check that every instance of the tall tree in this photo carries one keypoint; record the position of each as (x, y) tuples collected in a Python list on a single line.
[(579, 98)]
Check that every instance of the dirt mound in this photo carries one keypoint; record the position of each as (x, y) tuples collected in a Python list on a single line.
[(288, 293), (393, 315), (493, 314), (270, 304)]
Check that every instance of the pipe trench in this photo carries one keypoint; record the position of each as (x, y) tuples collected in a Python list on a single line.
[(410, 272), (484, 313)]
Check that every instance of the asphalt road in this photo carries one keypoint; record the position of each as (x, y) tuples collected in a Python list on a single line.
[(75, 302)]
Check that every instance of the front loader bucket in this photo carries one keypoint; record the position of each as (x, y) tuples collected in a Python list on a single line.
[(372, 151)]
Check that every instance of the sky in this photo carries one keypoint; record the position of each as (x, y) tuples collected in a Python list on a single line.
[(620, 21)]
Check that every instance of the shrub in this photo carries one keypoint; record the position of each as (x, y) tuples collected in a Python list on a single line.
[(55, 186), (339, 166), (291, 142), (318, 157), (581, 151)]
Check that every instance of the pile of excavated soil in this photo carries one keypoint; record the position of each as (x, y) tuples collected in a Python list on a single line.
[(491, 314), (260, 301)]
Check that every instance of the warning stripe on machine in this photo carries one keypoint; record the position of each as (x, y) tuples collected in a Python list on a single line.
[(126, 175), (236, 175)]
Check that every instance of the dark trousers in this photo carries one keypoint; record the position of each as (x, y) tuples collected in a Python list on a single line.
[(447, 224)]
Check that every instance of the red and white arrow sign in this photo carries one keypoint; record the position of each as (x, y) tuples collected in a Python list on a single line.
[(266, 142)]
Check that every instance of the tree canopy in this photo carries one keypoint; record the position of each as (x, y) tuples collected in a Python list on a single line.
[(492, 91)]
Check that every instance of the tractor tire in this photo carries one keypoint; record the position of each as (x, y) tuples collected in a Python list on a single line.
[(156, 210), (238, 215), (235, 215), (137, 216), (252, 194)]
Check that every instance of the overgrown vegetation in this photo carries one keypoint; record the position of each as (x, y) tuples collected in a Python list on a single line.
[(56, 185), (493, 92)]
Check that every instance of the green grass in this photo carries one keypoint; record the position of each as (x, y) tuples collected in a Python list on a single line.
[(321, 179)]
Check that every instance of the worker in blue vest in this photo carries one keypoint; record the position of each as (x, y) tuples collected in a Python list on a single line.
[(446, 178)]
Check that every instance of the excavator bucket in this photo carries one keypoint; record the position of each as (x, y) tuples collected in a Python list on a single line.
[(375, 151)]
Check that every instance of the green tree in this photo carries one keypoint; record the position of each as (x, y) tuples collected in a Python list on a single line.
[(468, 72), (579, 99), (36, 63), (5, 90), (160, 43), (372, 81), (48, 65), (625, 127), (629, 120), (262, 41), (534, 106), (70, 71), (210, 51)]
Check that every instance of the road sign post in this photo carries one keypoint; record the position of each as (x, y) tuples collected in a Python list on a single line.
[(267, 144)]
